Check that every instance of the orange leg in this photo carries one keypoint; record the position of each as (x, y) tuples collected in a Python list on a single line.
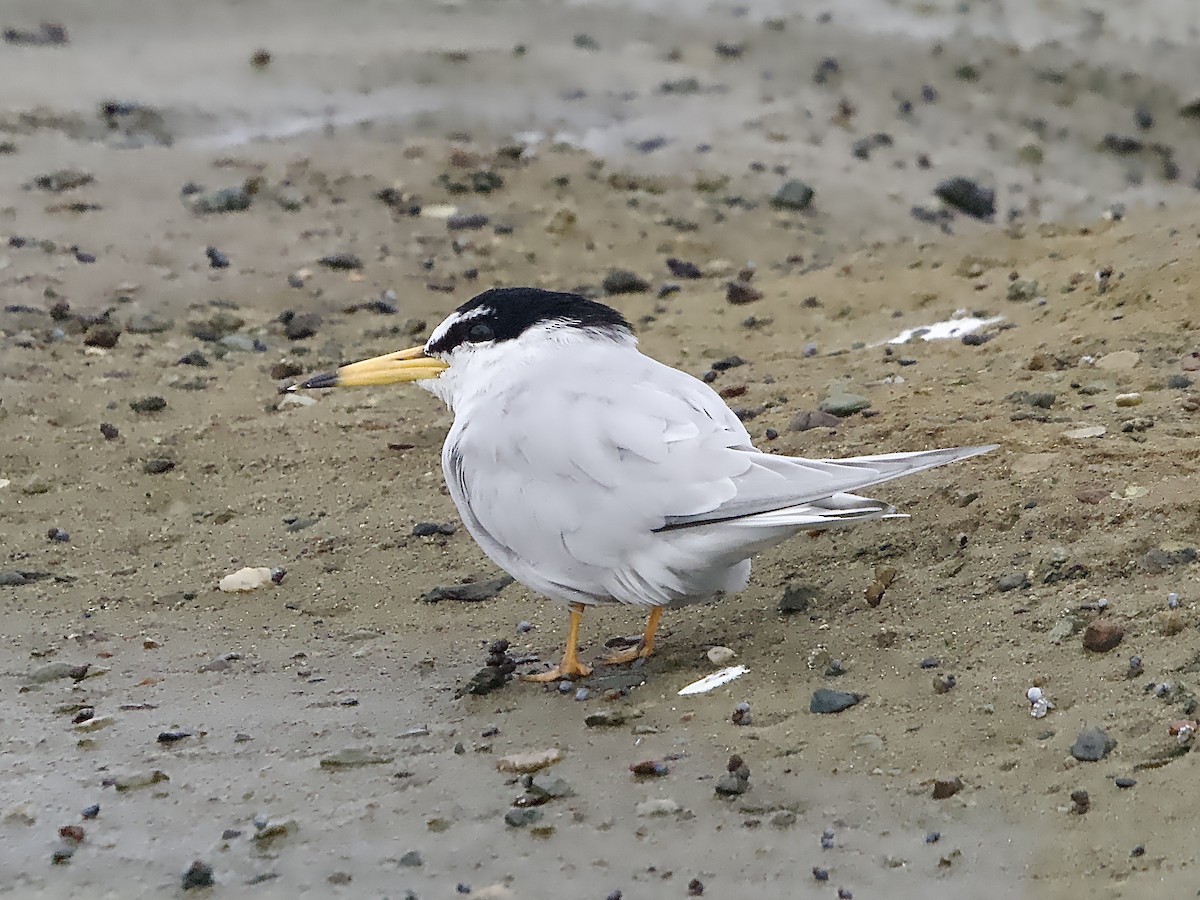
[(642, 648), (570, 667)]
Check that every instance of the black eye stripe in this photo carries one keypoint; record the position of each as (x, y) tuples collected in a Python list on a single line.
[(503, 314)]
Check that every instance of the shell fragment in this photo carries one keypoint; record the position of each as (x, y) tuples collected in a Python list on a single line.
[(714, 681)]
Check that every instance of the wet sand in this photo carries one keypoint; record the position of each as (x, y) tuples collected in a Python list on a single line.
[(1004, 563)]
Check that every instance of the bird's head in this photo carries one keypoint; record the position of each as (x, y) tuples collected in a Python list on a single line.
[(498, 328)]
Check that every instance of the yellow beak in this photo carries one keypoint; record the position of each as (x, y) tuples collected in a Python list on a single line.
[(391, 368)]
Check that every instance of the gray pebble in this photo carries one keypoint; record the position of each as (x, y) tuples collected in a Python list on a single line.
[(622, 281), (825, 700), (794, 195), (1092, 745), (519, 818)]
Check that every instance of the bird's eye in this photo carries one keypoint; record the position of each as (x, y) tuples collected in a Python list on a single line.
[(480, 332)]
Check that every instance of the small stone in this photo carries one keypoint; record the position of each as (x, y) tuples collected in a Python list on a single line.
[(1124, 782), (411, 860), (843, 404), (732, 785), (1127, 400), (813, 418), (651, 768), (793, 195), (529, 761), (608, 718), (248, 578), (103, 336), (521, 817), (148, 323), (1103, 635), (680, 268), (1119, 360), (1092, 745), (721, 656), (1011, 581), (58, 536), (622, 281), (301, 326), (466, 222), (1081, 802), (943, 684), (343, 262), (198, 875), (825, 701), (740, 293), (147, 405), (90, 812), (61, 180), (172, 737), (195, 358), (547, 788), (967, 196), (224, 200), (273, 830), (216, 259), (946, 787), (220, 324)]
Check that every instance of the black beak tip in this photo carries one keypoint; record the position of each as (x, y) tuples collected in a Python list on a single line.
[(317, 382)]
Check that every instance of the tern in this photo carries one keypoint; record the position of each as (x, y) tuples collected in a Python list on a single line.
[(594, 474)]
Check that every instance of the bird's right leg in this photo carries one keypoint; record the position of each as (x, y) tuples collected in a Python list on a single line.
[(570, 667)]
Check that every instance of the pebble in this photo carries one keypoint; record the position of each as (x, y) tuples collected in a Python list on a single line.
[(216, 259), (216, 326), (741, 714), (466, 222), (299, 326), (794, 195), (1011, 581), (967, 196), (547, 788), (429, 529), (843, 403), (820, 874), (270, 831), (195, 358), (1081, 802), (740, 293), (529, 761), (623, 281), (813, 418), (1119, 360), (198, 875), (411, 860), (148, 323), (1092, 745), (147, 405), (343, 262), (1126, 400), (103, 336), (1103, 635), (721, 656), (651, 768), (224, 200), (683, 269), (825, 700), (1124, 782), (90, 812), (58, 536), (248, 578), (521, 817)]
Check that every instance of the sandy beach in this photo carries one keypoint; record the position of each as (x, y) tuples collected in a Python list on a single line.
[(202, 203)]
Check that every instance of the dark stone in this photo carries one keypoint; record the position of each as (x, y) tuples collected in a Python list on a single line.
[(225, 200), (216, 259), (683, 269), (158, 466), (1178, 382), (794, 195), (151, 404), (731, 784), (301, 326), (1092, 745), (813, 418), (475, 591), (195, 358), (741, 292), (1010, 581), (218, 325), (1121, 145), (1158, 560), (967, 196), (797, 598), (466, 222), (1124, 782), (171, 737), (198, 875), (344, 262), (110, 432), (520, 817), (103, 335), (826, 701), (1103, 635), (622, 281), (429, 529)]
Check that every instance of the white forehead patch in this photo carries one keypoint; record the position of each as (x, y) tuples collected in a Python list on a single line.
[(453, 319)]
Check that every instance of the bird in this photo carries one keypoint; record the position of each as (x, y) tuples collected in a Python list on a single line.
[(594, 474)]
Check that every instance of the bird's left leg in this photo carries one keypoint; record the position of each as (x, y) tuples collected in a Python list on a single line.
[(570, 667), (642, 648)]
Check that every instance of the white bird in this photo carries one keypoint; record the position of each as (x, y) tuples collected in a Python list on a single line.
[(594, 474)]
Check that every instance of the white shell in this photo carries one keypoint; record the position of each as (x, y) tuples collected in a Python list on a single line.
[(713, 681)]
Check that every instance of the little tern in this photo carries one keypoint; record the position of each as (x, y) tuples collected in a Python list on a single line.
[(594, 474)]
